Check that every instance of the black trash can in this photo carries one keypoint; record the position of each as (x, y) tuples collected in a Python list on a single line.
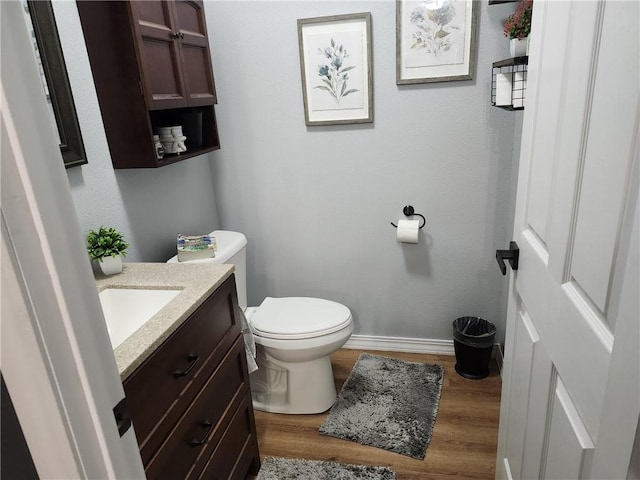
[(473, 342)]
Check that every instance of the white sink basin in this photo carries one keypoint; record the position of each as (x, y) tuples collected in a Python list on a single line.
[(127, 309)]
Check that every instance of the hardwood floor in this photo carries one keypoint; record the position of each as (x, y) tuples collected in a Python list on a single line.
[(464, 439)]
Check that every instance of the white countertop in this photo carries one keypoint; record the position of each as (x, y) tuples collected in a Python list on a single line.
[(197, 282)]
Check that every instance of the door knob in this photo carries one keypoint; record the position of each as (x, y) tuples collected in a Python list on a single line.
[(121, 414), (512, 255)]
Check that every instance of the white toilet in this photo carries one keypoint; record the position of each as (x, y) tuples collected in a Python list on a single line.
[(294, 338)]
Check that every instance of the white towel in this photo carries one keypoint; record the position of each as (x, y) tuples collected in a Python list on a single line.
[(249, 342)]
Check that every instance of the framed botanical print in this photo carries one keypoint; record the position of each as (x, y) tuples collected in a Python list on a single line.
[(336, 69), (435, 40)]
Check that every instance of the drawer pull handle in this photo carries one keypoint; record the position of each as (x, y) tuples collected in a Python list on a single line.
[(193, 359), (208, 424)]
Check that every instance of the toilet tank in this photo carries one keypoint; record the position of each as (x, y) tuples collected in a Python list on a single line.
[(231, 249)]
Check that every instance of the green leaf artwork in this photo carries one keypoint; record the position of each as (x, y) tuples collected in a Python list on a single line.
[(333, 72)]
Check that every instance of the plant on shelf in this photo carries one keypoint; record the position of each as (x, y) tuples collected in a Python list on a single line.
[(518, 24), (517, 27), (107, 245)]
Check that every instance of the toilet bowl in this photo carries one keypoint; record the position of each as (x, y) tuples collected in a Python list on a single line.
[(294, 336)]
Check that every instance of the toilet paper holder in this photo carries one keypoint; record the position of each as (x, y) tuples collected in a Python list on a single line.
[(409, 211)]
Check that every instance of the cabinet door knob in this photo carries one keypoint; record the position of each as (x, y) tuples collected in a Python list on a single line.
[(175, 35)]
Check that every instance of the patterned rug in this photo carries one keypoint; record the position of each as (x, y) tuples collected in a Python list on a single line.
[(275, 468), (387, 403)]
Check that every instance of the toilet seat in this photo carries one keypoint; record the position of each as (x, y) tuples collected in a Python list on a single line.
[(299, 317)]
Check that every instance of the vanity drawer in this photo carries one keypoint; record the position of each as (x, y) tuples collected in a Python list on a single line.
[(205, 421), (225, 462), (161, 389)]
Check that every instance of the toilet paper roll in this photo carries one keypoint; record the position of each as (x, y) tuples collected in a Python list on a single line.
[(503, 89), (408, 231)]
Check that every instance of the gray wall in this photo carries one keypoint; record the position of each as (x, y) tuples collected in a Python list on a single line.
[(149, 205), (316, 202)]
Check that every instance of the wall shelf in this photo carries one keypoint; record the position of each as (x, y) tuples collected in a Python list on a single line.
[(509, 83)]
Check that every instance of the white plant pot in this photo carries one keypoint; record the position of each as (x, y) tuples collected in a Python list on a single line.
[(517, 47), (111, 265)]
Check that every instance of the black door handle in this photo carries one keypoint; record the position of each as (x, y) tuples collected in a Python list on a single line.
[(121, 414), (512, 255)]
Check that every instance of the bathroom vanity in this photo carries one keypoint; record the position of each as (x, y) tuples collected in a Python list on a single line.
[(185, 375)]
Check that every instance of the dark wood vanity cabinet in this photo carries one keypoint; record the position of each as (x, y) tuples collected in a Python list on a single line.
[(151, 66), (190, 401)]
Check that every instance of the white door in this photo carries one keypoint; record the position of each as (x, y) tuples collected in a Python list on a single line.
[(571, 390), (56, 357)]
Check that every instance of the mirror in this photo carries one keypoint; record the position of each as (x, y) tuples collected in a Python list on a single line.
[(56, 81)]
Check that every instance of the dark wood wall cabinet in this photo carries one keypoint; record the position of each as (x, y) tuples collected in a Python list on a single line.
[(190, 401), (151, 66)]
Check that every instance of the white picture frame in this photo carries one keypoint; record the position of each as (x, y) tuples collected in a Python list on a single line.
[(336, 69), (435, 40)]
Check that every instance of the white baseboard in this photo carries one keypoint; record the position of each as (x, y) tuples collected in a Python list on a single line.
[(400, 344), (412, 345)]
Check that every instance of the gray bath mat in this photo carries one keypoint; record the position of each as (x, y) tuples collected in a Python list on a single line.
[(387, 403), (275, 468)]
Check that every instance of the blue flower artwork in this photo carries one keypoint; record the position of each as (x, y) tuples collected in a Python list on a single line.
[(333, 72), (335, 61), (437, 30)]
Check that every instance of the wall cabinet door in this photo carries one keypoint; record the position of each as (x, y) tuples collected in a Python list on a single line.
[(196, 57), (173, 53)]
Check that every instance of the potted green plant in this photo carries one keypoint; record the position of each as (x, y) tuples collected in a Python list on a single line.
[(107, 245), (517, 28)]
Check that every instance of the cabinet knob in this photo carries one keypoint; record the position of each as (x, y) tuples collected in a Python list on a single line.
[(175, 35)]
